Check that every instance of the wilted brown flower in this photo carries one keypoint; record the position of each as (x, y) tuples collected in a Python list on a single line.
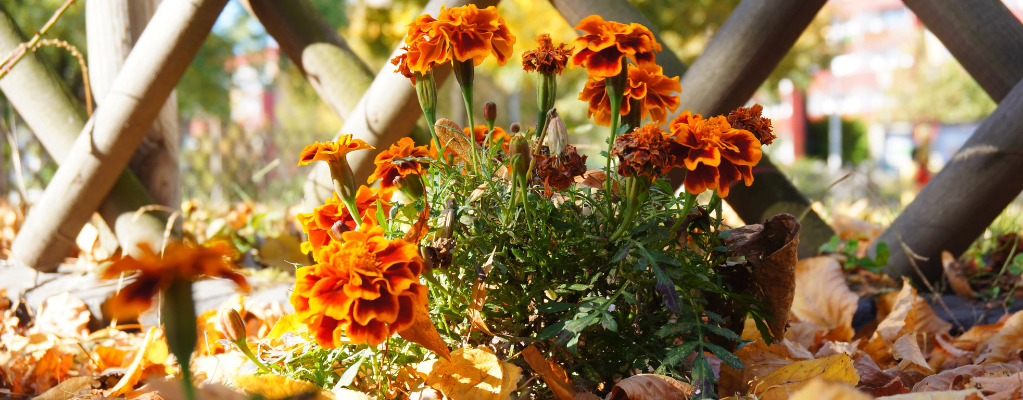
[(546, 58), (643, 152), (558, 172), (750, 119)]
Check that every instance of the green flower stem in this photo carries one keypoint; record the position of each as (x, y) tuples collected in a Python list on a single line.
[(616, 103), (431, 120), (546, 92), (344, 185), (244, 347), (467, 97), (690, 199), (433, 281), (178, 315), (637, 189)]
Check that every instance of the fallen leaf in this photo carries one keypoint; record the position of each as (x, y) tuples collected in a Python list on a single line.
[(63, 315), (818, 389), (1005, 344), (275, 387), (110, 357), (592, 178), (70, 388), (288, 323), (823, 298), (907, 352), (552, 374), (892, 388), (958, 378), (479, 295), (424, 333), (347, 394), (969, 394), (451, 135), (650, 387), (807, 334), (956, 278), (421, 227), (171, 390), (907, 313), (790, 378), (759, 360), (976, 335), (471, 373), (134, 371), (999, 387), (776, 274), (586, 396), (831, 348)]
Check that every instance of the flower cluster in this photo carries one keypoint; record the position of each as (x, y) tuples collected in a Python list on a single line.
[(458, 33), (320, 225), (647, 85), (365, 287), (606, 44), (157, 272)]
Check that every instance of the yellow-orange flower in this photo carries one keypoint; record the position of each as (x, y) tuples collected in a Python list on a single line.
[(605, 43), (750, 119), (318, 224), (479, 134), (546, 58), (715, 153), (425, 47), (156, 273), (365, 287), (474, 34), (331, 151), (402, 159), (644, 151), (648, 84)]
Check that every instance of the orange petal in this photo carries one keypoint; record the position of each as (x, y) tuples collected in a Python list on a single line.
[(702, 178), (372, 333), (383, 309), (709, 156), (747, 147)]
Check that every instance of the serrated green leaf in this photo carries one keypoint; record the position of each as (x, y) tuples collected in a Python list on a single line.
[(677, 354), (674, 329), (554, 307), (726, 356), (723, 332)]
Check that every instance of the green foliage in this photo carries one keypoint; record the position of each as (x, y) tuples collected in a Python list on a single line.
[(203, 87), (850, 247), (854, 140)]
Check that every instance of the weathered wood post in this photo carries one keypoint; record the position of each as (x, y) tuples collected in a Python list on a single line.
[(105, 145), (113, 27), (958, 203)]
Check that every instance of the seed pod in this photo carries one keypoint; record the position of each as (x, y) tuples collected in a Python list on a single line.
[(516, 127), (233, 325), (557, 135)]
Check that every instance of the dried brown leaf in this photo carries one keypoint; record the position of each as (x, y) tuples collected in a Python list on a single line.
[(650, 387), (977, 334), (1006, 344), (424, 333), (592, 178), (759, 360), (471, 373), (776, 274), (551, 373), (906, 351), (823, 298), (999, 387), (959, 378), (451, 135), (786, 380), (956, 278), (892, 388), (274, 387), (819, 389), (70, 388), (969, 394), (479, 295), (421, 227), (63, 315), (134, 371)]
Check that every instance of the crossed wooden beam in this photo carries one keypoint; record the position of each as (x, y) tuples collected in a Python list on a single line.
[(949, 213)]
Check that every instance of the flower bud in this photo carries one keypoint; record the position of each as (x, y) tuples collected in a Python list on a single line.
[(426, 90), (233, 325), (557, 135), (515, 127), (411, 185), (490, 113), (519, 146), (337, 229)]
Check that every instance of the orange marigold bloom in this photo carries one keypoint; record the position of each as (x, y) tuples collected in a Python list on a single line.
[(644, 151), (474, 34), (365, 286), (402, 159), (559, 172), (425, 47), (750, 119), (648, 84), (317, 225), (715, 153), (156, 272), (331, 151), (479, 134), (605, 43), (546, 57)]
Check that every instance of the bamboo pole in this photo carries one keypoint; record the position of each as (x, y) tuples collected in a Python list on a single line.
[(983, 35), (334, 71), (56, 117), (104, 148), (387, 112), (738, 59), (958, 204), (621, 11), (113, 27)]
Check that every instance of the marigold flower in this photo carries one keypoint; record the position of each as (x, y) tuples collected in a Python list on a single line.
[(750, 119), (401, 159), (365, 286), (546, 58), (643, 152), (715, 153), (648, 84), (156, 273), (479, 134), (474, 33), (605, 43), (317, 225), (425, 47), (331, 151), (559, 172)]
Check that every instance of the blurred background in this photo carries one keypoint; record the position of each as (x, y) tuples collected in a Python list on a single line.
[(866, 88)]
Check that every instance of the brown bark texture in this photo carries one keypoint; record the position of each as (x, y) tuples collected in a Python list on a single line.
[(104, 148), (113, 27)]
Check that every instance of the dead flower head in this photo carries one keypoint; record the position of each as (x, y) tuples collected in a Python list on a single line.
[(365, 287), (750, 119), (558, 172), (180, 261), (546, 58), (644, 151)]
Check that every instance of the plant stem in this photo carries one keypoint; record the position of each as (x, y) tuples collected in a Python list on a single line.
[(178, 317), (467, 98), (244, 347), (20, 51), (344, 184)]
